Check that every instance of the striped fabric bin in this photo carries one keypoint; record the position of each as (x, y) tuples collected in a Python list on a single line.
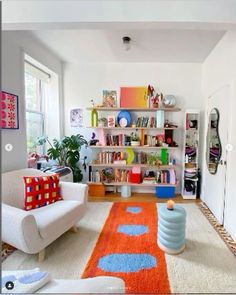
[(171, 229)]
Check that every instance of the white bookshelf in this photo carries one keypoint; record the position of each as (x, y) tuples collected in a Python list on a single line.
[(94, 166), (190, 154)]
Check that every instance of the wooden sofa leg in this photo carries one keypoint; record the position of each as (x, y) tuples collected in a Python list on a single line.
[(42, 255), (74, 229)]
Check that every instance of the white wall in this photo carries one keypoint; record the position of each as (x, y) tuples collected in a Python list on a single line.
[(12, 81), (14, 45), (83, 82), (219, 69)]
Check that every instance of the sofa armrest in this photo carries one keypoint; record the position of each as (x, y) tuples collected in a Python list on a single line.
[(74, 191), (19, 229)]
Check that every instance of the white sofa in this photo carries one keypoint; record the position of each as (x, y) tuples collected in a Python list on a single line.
[(102, 284), (32, 231), (91, 285)]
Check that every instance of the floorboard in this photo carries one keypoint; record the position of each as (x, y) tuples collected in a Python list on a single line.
[(138, 197)]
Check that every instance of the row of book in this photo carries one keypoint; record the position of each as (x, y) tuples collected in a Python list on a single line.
[(118, 140), (111, 158), (125, 140), (149, 122), (166, 176), (109, 175), (121, 158)]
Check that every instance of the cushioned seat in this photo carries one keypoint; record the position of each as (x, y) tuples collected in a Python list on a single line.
[(53, 218), (100, 284), (32, 231)]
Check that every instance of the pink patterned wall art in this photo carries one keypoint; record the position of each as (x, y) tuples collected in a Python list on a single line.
[(9, 111)]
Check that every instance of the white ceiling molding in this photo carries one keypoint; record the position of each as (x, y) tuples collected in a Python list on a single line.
[(72, 14)]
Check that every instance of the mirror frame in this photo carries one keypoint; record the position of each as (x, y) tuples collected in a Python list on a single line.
[(217, 132)]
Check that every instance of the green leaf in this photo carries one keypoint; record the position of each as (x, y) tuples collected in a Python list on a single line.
[(66, 151)]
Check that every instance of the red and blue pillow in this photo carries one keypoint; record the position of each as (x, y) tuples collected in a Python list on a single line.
[(41, 191)]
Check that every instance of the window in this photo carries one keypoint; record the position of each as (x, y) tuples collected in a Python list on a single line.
[(36, 82), (42, 104)]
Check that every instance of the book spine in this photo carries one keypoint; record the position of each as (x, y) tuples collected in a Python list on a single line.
[(120, 138)]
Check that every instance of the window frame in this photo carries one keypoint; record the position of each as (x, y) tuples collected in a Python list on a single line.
[(41, 96)]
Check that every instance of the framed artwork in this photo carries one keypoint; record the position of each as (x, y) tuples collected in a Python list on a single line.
[(134, 97), (9, 111), (76, 118), (109, 98)]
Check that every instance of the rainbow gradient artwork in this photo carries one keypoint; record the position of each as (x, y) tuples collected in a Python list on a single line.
[(134, 97)]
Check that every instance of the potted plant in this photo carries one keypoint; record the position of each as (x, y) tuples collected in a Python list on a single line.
[(66, 152), (135, 140), (153, 159), (155, 101)]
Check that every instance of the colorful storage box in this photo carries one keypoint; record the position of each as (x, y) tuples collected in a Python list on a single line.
[(135, 177), (165, 192), (96, 190)]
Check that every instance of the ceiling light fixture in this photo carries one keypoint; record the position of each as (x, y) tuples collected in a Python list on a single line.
[(126, 42)]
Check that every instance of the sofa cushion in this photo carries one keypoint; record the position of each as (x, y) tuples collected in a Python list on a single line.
[(57, 217), (41, 191), (13, 186)]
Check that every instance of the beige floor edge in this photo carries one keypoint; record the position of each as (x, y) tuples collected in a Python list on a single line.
[(219, 228)]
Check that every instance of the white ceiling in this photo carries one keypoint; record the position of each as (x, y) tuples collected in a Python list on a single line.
[(147, 46)]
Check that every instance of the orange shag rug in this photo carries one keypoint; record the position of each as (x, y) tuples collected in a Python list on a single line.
[(127, 248)]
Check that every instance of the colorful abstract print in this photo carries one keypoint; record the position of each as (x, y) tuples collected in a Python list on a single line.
[(9, 111)]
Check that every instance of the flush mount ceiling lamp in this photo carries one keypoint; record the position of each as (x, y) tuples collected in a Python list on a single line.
[(126, 42)]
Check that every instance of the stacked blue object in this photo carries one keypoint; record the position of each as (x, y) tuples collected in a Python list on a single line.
[(171, 228), (165, 192)]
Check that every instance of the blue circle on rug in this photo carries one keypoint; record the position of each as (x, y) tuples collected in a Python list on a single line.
[(132, 229), (126, 262), (135, 210)]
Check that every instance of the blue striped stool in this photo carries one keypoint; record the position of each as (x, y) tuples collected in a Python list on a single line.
[(171, 229)]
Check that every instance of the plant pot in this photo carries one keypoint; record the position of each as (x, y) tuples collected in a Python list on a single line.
[(135, 143)]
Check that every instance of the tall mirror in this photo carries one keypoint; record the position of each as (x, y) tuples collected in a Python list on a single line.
[(214, 150)]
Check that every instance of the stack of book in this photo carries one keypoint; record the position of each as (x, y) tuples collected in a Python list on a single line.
[(146, 122), (166, 176), (110, 158), (117, 140)]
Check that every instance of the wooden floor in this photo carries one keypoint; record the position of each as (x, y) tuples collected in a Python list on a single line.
[(138, 197)]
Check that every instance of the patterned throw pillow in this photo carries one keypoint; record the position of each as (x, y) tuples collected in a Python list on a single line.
[(41, 191)]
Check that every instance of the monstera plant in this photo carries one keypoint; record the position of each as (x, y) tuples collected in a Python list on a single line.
[(66, 152)]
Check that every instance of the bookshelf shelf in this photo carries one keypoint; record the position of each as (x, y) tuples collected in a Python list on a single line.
[(135, 109), (134, 184), (133, 147), (191, 155), (135, 128), (133, 165)]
